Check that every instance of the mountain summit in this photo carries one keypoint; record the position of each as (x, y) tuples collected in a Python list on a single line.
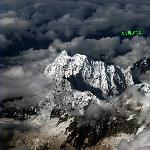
[(100, 79)]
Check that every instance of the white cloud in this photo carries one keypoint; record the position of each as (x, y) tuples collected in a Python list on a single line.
[(13, 23), (26, 77), (140, 47), (90, 47), (16, 72), (141, 142)]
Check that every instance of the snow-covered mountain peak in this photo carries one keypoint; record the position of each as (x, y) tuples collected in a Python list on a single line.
[(100, 79), (87, 75), (63, 53), (65, 65)]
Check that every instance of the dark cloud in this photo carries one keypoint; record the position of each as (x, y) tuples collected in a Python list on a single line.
[(40, 21), (4, 41), (140, 47)]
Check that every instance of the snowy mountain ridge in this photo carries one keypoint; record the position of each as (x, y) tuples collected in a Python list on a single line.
[(109, 80)]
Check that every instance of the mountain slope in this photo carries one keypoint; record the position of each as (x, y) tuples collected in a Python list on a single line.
[(87, 101), (100, 79)]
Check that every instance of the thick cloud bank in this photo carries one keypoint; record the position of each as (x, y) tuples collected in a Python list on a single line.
[(25, 76), (27, 24)]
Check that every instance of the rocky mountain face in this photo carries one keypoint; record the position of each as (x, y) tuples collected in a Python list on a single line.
[(102, 99), (88, 88), (102, 80)]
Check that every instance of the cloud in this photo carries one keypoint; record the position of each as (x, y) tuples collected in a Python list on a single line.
[(122, 18), (13, 27), (12, 24), (145, 77), (4, 41), (94, 48), (25, 77), (102, 19), (140, 142), (9, 13), (140, 47), (16, 72), (66, 20)]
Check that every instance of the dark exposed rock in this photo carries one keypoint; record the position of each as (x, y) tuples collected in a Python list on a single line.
[(140, 67), (19, 114), (86, 134)]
